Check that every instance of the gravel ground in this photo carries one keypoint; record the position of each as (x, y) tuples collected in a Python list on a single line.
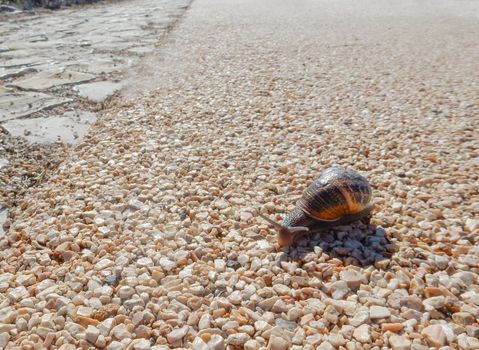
[(147, 235)]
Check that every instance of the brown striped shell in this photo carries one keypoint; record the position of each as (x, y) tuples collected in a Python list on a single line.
[(336, 193)]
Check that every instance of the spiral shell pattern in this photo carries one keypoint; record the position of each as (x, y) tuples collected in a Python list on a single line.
[(337, 192)]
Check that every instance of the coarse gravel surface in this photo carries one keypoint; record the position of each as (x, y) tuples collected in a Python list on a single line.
[(147, 236)]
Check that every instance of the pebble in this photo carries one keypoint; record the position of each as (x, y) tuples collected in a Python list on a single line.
[(91, 334), (255, 264), (4, 339), (399, 342), (115, 345), (281, 289), (314, 339), (141, 344), (392, 327), (352, 278), (434, 335), (472, 224), (336, 339), (251, 345), (238, 339), (441, 261), (435, 291), (378, 312), (220, 265), (205, 321), (362, 333), (294, 314), (268, 303), (298, 336), (325, 346), (103, 264), (470, 260), (413, 302), (277, 343), (120, 332), (466, 277), (236, 297), (145, 262), (463, 318), (243, 259), (199, 344), (106, 326), (339, 290), (472, 331), (279, 306), (468, 343), (361, 316), (18, 293), (435, 302), (286, 324), (216, 342), (126, 292), (177, 334), (167, 264)]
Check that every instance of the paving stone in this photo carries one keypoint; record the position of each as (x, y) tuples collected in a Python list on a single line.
[(7, 73), (48, 79), (22, 104), (71, 127), (98, 91)]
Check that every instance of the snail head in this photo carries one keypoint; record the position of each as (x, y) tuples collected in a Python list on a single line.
[(286, 235)]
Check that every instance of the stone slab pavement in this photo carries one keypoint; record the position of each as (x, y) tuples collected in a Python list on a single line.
[(14, 105), (44, 55)]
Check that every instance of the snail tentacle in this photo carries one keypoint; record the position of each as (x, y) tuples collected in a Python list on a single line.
[(272, 222), (282, 227)]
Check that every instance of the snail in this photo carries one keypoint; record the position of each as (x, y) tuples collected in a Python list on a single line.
[(337, 197)]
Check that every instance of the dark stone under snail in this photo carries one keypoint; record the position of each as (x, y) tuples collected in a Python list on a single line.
[(338, 196)]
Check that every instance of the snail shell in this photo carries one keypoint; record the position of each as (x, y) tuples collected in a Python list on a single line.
[(337, 197)]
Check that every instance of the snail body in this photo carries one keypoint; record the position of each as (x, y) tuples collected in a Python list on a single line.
[(337, 197)]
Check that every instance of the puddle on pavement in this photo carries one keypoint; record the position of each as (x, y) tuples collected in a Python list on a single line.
[(70, 128), (98, 91)]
